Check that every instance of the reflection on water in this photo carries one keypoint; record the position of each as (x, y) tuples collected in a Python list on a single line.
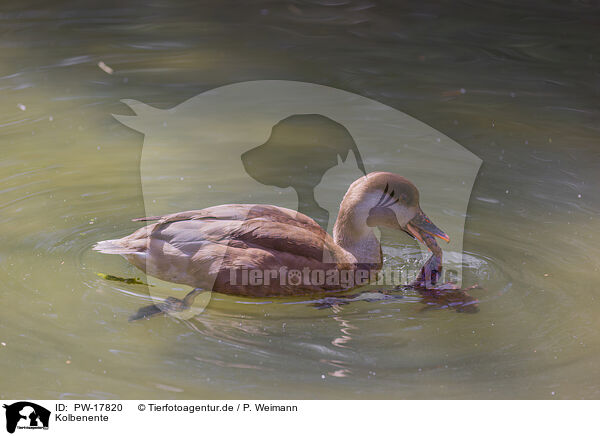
[(514, 83)]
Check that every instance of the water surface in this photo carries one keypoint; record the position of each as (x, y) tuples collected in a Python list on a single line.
[(515, 83)]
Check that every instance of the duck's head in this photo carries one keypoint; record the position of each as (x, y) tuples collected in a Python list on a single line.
[(384, 199)]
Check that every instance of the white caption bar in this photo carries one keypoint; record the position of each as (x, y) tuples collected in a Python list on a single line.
[(150, 417)]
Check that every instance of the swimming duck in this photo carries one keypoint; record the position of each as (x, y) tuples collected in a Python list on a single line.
[(214, 249)]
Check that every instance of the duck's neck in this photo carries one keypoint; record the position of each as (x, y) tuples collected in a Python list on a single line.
[(353, 235)]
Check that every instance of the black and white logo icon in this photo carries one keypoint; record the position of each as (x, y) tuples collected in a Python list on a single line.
[(26, 415)]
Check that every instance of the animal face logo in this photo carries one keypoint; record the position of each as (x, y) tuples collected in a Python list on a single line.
[(26, 415), (296, 145), (299, 151)]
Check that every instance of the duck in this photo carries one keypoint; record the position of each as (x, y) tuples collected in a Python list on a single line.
[(258, 250)]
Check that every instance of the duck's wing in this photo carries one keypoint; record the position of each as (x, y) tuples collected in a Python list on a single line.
[(244, 225), (284, 237), (202, 247)]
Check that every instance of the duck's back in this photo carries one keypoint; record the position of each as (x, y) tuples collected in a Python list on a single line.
[(218, 247)]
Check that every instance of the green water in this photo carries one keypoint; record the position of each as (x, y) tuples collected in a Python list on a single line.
[(70, 176)]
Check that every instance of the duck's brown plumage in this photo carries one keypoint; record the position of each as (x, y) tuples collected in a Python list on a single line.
[(204, 248), (210, 248)]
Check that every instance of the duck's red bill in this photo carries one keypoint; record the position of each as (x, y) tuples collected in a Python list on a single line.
[(421, 222)]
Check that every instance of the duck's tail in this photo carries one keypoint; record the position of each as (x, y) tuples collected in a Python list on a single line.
[(113, 246)]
